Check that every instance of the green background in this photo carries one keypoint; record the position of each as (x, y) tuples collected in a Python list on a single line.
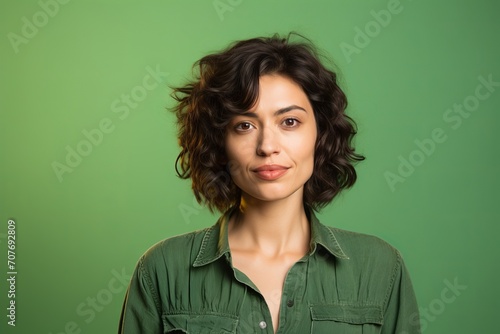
[(75, 234)]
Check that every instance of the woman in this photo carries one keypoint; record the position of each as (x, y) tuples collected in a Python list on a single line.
[(266, 141)]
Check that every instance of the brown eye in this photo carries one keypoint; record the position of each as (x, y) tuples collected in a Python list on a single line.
[(243, 126), (290, 122)]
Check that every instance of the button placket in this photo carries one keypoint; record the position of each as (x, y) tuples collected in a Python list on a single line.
[(293, 287)]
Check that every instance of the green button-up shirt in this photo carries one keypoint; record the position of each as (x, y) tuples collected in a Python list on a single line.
[(347, 283)]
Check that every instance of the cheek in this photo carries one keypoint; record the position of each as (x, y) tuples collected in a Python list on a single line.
[(307, 154), (303, 147), (238, 153), (234, 168)]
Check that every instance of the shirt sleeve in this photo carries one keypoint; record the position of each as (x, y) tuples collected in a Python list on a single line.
[(141, 312), (401, 311)]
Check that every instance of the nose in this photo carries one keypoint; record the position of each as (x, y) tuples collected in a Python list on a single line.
[(268, 143)]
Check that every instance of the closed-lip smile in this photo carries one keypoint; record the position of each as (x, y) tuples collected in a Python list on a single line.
[(270, 172)]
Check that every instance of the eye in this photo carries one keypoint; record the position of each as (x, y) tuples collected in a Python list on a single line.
[(290, 122), (243, 126)]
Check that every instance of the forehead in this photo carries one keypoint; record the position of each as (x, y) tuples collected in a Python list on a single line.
[(278, 91)]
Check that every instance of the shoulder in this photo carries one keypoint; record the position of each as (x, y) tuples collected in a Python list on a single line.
[(176, 251), (356, 243), (373, 265), (368, 251)]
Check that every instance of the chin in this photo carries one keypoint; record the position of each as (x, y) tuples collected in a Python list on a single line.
[(271, 194)]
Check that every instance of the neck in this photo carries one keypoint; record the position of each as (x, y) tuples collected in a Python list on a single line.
[(272, 228)]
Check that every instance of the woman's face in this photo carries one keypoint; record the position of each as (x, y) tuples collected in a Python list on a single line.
[(270, 149)]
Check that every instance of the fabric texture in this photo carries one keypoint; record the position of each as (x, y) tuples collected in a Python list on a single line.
[(348, 283)]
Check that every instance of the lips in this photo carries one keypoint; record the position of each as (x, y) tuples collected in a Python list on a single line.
[(270, 172)]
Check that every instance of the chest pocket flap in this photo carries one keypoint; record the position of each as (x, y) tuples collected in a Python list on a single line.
[(345, 318), (208, 323)]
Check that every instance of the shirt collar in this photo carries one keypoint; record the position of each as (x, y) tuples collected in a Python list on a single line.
[(215, 241)]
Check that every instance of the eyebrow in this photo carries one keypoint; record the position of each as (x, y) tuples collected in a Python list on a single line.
[(277, 112)]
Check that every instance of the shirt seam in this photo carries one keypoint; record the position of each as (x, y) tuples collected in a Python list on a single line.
[(395, 271), (201, 258), (190, 313), (343, 255), (149, 283)]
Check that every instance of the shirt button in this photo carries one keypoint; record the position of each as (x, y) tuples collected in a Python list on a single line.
[(289, 303), (262, 324)]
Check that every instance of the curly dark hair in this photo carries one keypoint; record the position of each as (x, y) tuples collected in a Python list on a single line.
[(227, 84)]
